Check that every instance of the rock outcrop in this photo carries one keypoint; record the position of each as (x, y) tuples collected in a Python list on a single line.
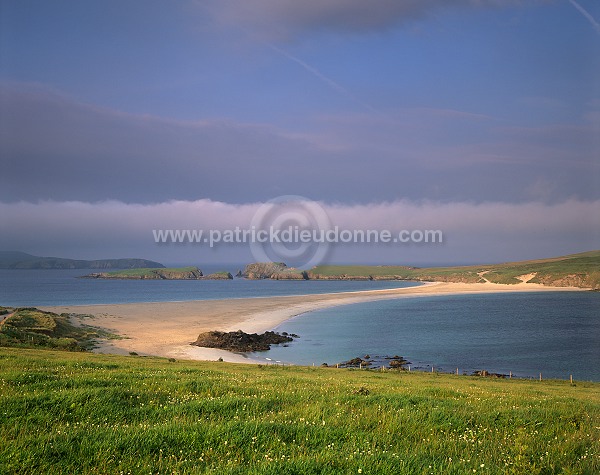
[(290, 274), (218, 276), (263, 270), (487, 374), (570, 280), (372, 362), (150, 274), (272, 270), (241, 341)]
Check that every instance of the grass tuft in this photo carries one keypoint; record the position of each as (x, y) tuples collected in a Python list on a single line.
[(32, 328)]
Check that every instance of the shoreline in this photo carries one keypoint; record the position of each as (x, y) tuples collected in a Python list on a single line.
[(166, 329)]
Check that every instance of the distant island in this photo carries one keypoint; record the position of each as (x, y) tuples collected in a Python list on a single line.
[(176, 273), (576, 270), (22, 260)]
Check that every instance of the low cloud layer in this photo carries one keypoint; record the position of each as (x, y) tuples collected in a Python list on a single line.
[(486, 232)]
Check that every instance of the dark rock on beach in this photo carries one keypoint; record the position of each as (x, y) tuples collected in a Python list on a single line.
[(357, 362), (293, 335), (375, 362), (486, 374), (240, 341), (397, 364)]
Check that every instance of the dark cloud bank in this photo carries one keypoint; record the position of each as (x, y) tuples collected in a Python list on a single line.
[(289, 18), (53, 147)]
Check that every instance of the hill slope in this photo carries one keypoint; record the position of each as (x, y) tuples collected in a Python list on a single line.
[(22, 260), (32, 328), (576, 270)]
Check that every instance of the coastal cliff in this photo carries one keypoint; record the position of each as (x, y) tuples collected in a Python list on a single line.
[(272, 270), (183, 273)]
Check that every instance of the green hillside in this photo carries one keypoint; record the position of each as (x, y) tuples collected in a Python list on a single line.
[(578, 270), (160, 273), (33, 328), (22, 260)]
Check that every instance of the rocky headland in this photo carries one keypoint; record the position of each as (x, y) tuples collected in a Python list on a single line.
[(272, 270), (185, 273)]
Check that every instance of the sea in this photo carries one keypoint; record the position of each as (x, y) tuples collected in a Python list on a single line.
[(556, 334), (29, 287)]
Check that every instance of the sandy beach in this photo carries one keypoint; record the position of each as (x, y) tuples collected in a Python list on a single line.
[(167, 328)]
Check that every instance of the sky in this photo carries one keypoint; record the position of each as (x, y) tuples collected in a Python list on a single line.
[(480, 118)]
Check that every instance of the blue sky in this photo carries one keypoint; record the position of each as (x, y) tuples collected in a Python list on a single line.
[(350, 103)]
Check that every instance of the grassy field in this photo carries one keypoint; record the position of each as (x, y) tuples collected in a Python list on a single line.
[(150, 271), (66, 413), (579, 270)]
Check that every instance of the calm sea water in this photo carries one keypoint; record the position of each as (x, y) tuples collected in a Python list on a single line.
[(62, 287), (556, 333)]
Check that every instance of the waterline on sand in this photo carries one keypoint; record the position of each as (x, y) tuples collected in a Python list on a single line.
[(167, 328)]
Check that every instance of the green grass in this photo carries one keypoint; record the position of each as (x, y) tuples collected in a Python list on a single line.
[(579, 270), (65, 413), (32, 328), (150, 271), (463, 274), (221, 274)]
